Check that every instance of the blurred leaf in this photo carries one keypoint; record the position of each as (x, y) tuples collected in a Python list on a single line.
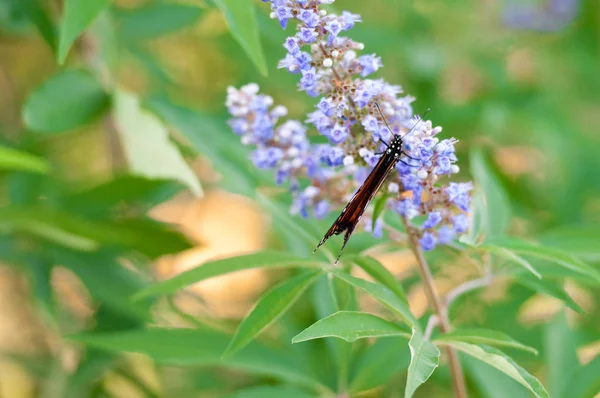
[(213, 139), (381, 293), (378, 208), (504, 363), (381, 274), (514, 257), (484, 336), (148, 237), (378, 363), (560, 354), (491, 382), (350, 326), (269, 308), (65, 101), (192, 347), (225, 266), (549, 288), (37, 12), (579, 240), (497, 205), (12, 159), (424, 359), (146, 143), (77, 16), (553, 255), (241, 18), (585, 383), (155, 19), (123, 189), (271, 392)]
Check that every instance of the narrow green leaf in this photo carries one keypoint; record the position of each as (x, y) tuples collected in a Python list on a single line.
[(350, 326), (378, 363), (504, 363), (490, 382), (241, 18), (150, 153), (579, 240), (38, 13), (155, 20), (381, 274), (225, 266), (271, 392), (269, 308), (585, 383), (522, 248), (484, 336), (13, 159), (378, 208), (192, 347), (560, 354), (424, 359), (497, 216), (65, 101), (77, 16), (381, 294), (549, 288), (512, 256)]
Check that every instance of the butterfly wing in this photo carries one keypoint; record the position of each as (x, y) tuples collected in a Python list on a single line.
[(352, 213)]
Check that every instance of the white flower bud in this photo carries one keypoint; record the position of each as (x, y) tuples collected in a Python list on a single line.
[(328, 63), (272, 15), (297, 163), (335, 53), (322, 13), (311, 192), (279, 111), (393, 187), (437, 130), (363, 152), (422, 174), (454, 169), (360, 46), (348, 160), (293, 152)]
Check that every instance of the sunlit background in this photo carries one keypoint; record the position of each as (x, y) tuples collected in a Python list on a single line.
[(516, 81)]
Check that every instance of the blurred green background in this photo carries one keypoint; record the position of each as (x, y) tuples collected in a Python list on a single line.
[(517, 83)]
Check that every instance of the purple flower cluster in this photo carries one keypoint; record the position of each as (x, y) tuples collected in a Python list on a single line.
[(330, 67), (551, 16)]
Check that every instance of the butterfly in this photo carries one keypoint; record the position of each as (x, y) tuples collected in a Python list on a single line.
[(352, 213)]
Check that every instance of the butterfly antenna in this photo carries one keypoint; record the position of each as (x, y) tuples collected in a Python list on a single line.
[(419, 118), (383, 117)]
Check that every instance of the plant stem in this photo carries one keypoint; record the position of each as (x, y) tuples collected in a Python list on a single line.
[(440, 309)]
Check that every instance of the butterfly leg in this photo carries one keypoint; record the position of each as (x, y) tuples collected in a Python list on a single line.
[(411, 165), (408, 156)]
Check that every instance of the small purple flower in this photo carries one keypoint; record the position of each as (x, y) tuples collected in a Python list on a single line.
[(321, 209), (309, 79), (338, 134), (458, 194), (267, 158), (428, 241), (370, 124), (443, 165), (433, 219), (461, 223), (303, 59), (369, 64), (309, 18), (283, 14), (307, 35), (445, 235), (291, 44), (406, 208), (326, 106), (348, 20), (333, 27)]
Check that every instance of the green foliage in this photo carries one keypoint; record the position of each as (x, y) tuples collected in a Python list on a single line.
[(139, 88)]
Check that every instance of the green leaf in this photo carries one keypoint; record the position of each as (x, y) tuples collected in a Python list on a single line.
[(381, 293), (350, 326), (484, 336), (579, 240), (585, 383), (504, 363), (241, 18), (377, 364), (225, 266), (381, 274), (77, 16), (146, 143), (491, 382), (424, 359), (550, 254), (549, 288), (560, 354), (190, 347), (378, 209), (514, 257), (12, 159), (271, 392), (65, 101), (497, 213), (38, 13), (269, 308), (154, 20)]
